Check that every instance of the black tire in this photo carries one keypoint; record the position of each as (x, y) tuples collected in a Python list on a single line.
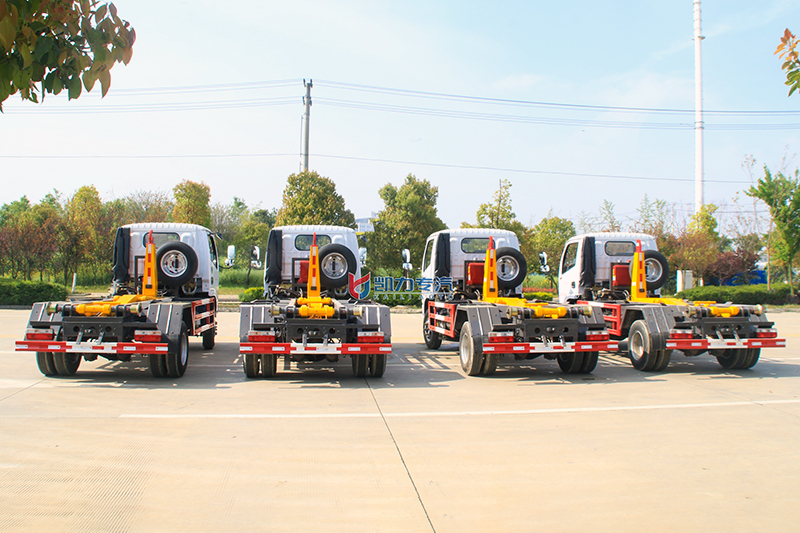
[(432, 339), (640, 347), (663, 360), (377, 364), (250, 363), (490, 361), (158, 365), (753, 354), (657, 264), (360, 364), (177, 263), (589, 362), (471, 357), (178, 359), (46, 363), (570, 363), (269, 365), (730, 359), (511, 268), (67, 363), (336, 261), (209, 338)]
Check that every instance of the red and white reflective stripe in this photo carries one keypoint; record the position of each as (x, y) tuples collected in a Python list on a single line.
[(88, 347), (540, 347), (332, 348), (723, 344)]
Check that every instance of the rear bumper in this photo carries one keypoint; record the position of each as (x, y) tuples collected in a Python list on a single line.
[(331, 348), (540, 347), (89, 347), (723, 344)]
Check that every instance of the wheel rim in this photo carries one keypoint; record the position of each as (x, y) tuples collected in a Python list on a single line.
[(334, 265), (507, 268), (637, 345), (653, 270), (464, 351), (174, 264)]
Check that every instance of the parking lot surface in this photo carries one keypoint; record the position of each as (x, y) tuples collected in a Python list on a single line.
[(424, 448)]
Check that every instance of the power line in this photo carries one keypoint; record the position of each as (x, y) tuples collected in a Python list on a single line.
[(149, 108)]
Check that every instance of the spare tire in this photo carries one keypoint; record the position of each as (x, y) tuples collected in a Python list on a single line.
[(336, 261), (511, 267), (177, 263), (656, 269)]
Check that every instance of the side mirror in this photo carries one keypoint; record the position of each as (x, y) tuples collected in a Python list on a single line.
[(543, 266), (231, 256), (406, 253), (255, 257), (362, 256)]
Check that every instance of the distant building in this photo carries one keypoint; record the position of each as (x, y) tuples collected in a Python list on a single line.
[(364, 225)]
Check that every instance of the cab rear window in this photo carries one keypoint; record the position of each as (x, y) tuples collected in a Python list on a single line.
[(160, 238), (474, 245), (614, 248), (304, 242)]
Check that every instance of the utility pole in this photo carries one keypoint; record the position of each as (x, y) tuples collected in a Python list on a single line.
[(306, 122), (698, 112)]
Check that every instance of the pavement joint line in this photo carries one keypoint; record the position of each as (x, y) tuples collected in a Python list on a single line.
[(400, 454), (424, 414)]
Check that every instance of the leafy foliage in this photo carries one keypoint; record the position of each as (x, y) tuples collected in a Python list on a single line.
[(27, 292), (739, 294), (312, 199), (787, 51), (733, 264), (408, 217), (549, 236), (191, 203), (47, 46)]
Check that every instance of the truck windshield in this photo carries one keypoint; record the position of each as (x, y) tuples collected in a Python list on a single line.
[(303, 242), (474, 245)]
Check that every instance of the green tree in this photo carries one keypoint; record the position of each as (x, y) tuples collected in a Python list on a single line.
[(498, 214), (782, 195), (312, 199), (549, 236), (787, 51), (148, 206), (191, 203), (408, 217), (47, 46), (697, 247)]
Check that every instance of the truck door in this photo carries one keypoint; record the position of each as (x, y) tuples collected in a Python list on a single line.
[(428, 268), (569, 273)]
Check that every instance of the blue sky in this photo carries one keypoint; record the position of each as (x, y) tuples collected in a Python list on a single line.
[(223, 59)]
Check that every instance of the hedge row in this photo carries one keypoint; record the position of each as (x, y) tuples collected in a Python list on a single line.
[(740, 294), (14, 292)]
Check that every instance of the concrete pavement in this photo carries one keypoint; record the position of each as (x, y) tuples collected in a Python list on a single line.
[(423, 449)]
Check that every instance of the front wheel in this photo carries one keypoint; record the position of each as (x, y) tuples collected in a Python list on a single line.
[(471, 357), (432, 339)]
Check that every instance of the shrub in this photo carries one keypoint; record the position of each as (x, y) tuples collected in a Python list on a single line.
[(29, 292), (237, 277), (396, 299), (538, 295), (253, 293), (739, 294)]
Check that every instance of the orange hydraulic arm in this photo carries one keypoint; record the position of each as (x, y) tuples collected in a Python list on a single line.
[(313, 306)]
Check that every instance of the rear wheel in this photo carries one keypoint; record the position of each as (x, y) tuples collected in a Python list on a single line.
[(489, 364), (752, 357), (360, 364), (640, 346), (269, 365), (377, 364), (67, 363), (432, 339), (250, 363), (209, 338), (589, 362), (158, 365), (471, 359), (663, 360), (178, 359), (570, 363), (730, 359), (46, 363)]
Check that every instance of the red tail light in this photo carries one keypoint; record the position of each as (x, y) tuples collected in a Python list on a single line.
[(39, 335), (370, 336), (261, 336), (766, 333), (680, 334), (147, 335), (597, 335), (501, 336)]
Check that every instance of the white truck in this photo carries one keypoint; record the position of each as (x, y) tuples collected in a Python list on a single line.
[(310, 311), (472, 280), (620, 274), (164, 289)]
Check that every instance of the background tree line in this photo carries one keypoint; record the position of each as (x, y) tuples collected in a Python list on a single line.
[(61, 235)]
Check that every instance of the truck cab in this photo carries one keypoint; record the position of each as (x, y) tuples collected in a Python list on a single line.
[(595, 262)]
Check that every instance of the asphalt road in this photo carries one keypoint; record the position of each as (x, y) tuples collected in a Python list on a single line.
[(694, 448)]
